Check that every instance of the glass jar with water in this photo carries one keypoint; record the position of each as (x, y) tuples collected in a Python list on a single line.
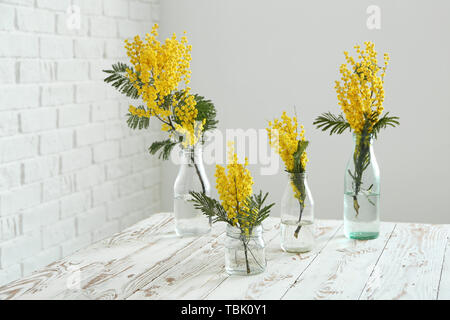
[(244, 253), (191, 177)]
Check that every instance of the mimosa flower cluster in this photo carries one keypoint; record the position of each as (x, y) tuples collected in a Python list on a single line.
[(140, 112), (186, 124), (159, 74), (286, 140), (360, 91), (284, 137), (234, 188), (159, 69)]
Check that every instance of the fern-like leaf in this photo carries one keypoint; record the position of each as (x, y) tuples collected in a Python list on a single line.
[(164, 147), (209, 207), (336, 124), (207, 112), (255, 211), (383, 123), (118, 79)]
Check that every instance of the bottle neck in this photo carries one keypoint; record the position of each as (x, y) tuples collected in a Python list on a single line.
[(358, 138), (301, 176), (192, 155)]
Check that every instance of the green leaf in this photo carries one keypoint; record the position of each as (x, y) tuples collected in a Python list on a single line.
[(119, 80), (302, 145), (383, 123), (209, 207), (207, 112), (164, 147), (336, 124), (255, 210), (351, 174)]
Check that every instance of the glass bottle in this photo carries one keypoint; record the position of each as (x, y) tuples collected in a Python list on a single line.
[(362, 191), (244, 254), (191, 177), (297, 215)]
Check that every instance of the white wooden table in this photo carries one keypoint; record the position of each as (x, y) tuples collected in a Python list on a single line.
[(148, 261)]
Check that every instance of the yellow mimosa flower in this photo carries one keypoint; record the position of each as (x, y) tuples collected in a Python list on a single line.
[(360, 92), (284, 138), (234, 187)]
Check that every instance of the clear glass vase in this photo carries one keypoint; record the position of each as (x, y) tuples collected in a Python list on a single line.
[(191, 177), (297, 215), (244, 254), (362, 191)]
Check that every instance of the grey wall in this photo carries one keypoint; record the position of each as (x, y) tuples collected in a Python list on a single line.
[(256, 58)]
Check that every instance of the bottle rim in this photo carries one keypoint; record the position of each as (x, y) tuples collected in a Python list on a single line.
[(197, 148), (302, 175)]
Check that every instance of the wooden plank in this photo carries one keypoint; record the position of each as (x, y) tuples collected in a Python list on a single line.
[(120, 278), (444, 283), (58, 276), (147, 261), (410, 265), (342, 268), (282, 269), (191, 278), (196, 276)]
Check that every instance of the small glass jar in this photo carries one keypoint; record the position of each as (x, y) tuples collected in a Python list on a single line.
[(191, 177), (297, 215), (362, 191), (244, 254)]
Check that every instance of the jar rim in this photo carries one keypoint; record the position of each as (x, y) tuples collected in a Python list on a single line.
[(236, 232)]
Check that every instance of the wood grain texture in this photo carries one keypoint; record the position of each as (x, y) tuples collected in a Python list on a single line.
[(342, 268), (122, 277), (444, 283), (411, 264), (282, 269), (148, 261), (73, 273), (199, 275)]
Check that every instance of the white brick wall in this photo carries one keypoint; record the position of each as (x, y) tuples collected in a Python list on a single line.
[(71, 172)]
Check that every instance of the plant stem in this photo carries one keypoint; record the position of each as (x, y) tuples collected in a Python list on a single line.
[(199, 177), (299, 183), (246, 257), (198, 172), (361, 159), (254, 258), (356, 204), (297, 231)]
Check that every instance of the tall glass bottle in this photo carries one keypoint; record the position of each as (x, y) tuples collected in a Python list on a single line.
[(191, 177), (362, 191), (297, 215)]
